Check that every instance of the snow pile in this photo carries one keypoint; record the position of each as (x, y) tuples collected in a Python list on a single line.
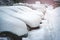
[(31, 18), (45, 31), (12, 24)]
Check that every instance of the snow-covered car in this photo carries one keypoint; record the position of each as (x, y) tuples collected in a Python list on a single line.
[(11, 26), (29, 16), (13, 19)]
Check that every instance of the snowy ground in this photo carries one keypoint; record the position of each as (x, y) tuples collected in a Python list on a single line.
[(40, 34)]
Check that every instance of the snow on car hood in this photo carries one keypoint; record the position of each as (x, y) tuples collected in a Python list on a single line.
[(29, 16)]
